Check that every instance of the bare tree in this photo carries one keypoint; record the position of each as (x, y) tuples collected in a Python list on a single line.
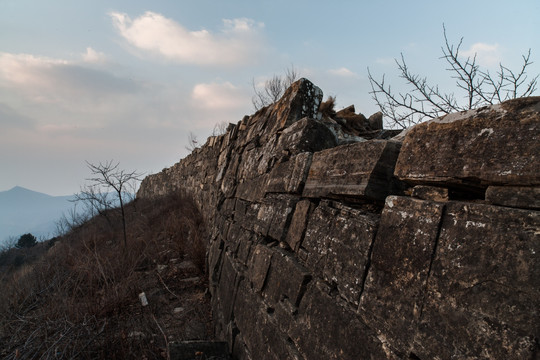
[(220, 128), (273, 88), (478, 88), (109, 187), (193, 142)]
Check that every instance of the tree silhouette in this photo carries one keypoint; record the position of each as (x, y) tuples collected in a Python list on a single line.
[(26, 241)]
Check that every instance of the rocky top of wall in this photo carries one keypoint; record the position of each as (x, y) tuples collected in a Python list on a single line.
[(332, 240)]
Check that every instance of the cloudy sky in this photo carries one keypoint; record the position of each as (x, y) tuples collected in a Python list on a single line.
[(129, 80)]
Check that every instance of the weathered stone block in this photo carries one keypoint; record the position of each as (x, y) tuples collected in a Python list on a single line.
[(297, 228), (289, 176), (514, 196), (259, 265), (286, 278), (259, 331), (226, 289), (297, 180), (338, 242), (360, 170), (306, 135), (484, 289), (335, 332), (395, 287), (274, 215), (253, 189), (496, 145)]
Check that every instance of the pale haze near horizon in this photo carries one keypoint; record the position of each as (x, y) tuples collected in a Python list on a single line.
[(129, 80)]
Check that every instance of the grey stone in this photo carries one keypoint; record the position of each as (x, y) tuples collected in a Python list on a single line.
[(395, 287), (361, 170), (514, 196), (496, 145)]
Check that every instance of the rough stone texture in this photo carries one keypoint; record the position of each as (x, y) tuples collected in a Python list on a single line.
[(361, 170), (393, 295), (430, 193), (514, 196), (484, 285), (344, 335), (317, 251), (498, 145), (338, 243)]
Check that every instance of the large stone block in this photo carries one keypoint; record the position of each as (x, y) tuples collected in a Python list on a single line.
[(306, 135), (338, 242), (514, 196), (327, 330), (395, 287), (360, 170), (259, 331), (297, 228), (274, 215), (483, 296), (286, 278), (258, 266), (496, 145), (289, 176)]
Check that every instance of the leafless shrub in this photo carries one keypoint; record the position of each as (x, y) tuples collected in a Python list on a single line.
[(426, 101), (193, 142), (80, 299), (109, 179), (273, 88), (220, 128)]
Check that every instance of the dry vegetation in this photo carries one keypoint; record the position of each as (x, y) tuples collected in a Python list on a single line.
[(80, 297)]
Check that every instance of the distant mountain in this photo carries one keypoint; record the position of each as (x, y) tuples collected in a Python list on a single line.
[(25, 211)]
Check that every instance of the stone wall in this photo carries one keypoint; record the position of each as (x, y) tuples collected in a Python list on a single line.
[(331, 241)]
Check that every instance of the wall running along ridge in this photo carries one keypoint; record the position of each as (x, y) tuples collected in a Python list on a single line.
[(331, 241)]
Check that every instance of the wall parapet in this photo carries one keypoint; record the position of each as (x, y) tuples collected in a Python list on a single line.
[(329, 239)]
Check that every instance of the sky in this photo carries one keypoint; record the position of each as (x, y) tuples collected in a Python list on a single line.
[(129, 80)]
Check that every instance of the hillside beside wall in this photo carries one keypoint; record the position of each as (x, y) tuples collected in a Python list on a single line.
[(331, 238)]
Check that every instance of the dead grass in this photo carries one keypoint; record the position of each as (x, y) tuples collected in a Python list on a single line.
[(81, 298)]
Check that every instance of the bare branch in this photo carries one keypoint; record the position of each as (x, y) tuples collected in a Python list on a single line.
[(425, 101), (273, 88)]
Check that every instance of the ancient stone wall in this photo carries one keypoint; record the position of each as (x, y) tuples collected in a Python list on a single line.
[(331, 241)]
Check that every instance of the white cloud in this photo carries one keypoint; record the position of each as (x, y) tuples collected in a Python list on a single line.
[(216, 96), (486, 54), (344, 72), (57, 81), (238, 43), (93, 56)]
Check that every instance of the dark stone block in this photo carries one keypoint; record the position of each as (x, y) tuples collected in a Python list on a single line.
[(286, 278), (326, 330), (274, 215), (306, 135), (297, 228), (259, 265), (514, 196), (495, 145), (289, 176), (338, 242), (484, 290), (359, 170), (395, 287), (258, 328)]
